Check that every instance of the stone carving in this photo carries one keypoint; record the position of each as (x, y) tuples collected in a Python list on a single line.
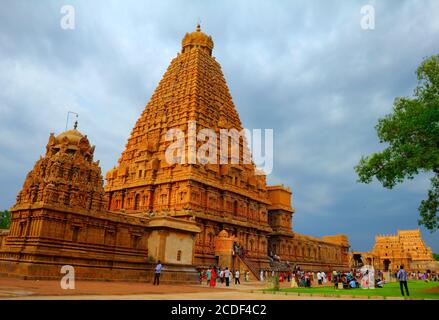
[(67, 166)]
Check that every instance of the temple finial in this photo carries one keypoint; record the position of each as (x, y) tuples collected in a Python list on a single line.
[(75, 125), (67, 121), (198, 27)]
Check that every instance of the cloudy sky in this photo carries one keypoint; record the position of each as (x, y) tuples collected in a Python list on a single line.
[(304, 68)]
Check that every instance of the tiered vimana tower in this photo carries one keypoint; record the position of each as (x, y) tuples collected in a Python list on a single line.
[(221, 196), (230, 202)]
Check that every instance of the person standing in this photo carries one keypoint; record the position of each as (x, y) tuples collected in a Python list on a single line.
[(200, 276), (237, 277), (227, 276), (158, 270), (212, 277), (319, 278), (221, 275), (296, 278), (208, 274), (335, 279), (402, 277)]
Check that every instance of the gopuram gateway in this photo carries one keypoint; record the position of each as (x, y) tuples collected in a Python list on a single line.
[(405, 248), (187, 215)]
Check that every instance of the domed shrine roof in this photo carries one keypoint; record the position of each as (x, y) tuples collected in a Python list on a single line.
[(73, 136), (69, 142), (197, 39)]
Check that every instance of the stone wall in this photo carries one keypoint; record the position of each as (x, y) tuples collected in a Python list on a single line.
[(104, 246)]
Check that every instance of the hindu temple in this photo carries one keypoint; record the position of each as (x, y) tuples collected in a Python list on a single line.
[(187, 215), (405, 248)]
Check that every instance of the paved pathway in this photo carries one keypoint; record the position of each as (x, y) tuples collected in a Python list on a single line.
[(100, 290)]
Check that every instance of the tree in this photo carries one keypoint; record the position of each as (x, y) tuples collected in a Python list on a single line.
[(412, 134), (5, 219)]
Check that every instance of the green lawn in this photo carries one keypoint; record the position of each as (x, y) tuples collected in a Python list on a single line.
[(416, 289)]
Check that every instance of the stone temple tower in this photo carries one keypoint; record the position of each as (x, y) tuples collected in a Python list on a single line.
[(230, 202), (221, 196)]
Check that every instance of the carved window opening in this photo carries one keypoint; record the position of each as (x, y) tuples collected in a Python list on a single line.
[(75, 233), (179, 255)]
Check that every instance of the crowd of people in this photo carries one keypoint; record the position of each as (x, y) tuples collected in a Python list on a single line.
[(426, 276), (214, 275), (366, 278)]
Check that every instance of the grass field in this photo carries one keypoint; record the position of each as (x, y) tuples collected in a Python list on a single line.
[(417, 290)]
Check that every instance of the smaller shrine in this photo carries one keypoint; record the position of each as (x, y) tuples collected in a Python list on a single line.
[(61, 218)]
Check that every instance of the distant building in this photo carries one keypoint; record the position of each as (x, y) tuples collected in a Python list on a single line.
[(391, 251)]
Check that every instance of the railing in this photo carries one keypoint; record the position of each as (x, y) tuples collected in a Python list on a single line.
[(250, 265)]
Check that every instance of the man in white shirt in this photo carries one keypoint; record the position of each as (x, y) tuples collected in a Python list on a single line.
[(227, 275), (237, 277), (319, 278)]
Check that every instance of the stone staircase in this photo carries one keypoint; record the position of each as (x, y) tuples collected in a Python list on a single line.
[(280, 266), (252, 267)]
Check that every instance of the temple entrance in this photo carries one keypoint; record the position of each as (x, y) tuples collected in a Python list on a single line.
[(357, 260), (386, 263)]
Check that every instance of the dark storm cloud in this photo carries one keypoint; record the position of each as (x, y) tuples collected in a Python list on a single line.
[(304, 68)]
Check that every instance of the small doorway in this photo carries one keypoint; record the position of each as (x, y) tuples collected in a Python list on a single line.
[(386, 263)]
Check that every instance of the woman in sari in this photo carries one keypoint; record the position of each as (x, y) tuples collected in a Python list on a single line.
[(212, 277), (294, 280)]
